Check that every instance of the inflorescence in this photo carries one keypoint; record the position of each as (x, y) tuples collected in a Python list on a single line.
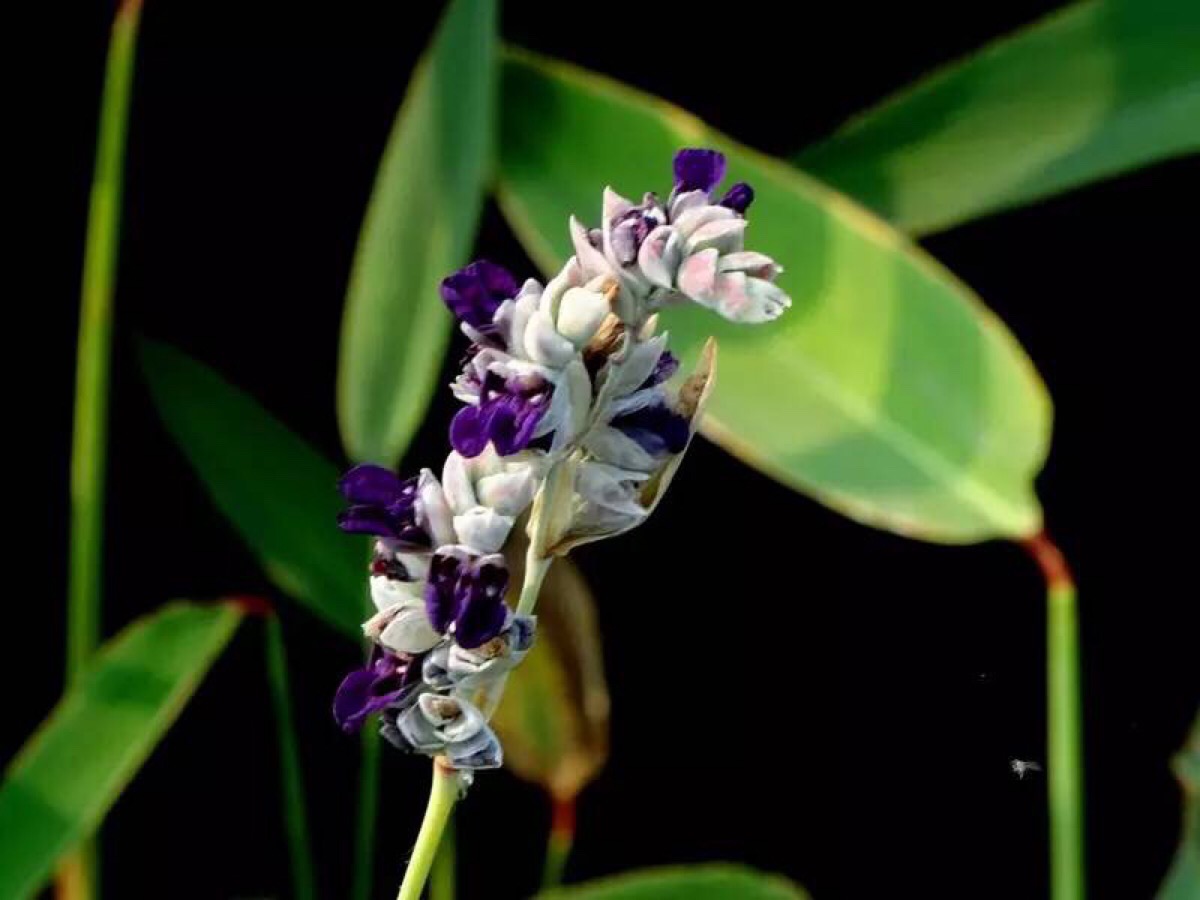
[(569, 415)]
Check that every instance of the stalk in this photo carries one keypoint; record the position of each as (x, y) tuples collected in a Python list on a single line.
[(78, 874), (442, 795), (295, 815), (559, 842), (1064, 724)]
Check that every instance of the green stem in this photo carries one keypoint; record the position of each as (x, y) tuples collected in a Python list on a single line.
[(559, 842), (442, 795), (442, 878), (1064, 724), (370, 757), (295, 815), (89, 443)]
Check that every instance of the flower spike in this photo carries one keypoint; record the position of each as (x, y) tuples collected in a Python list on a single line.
[(573, 420)]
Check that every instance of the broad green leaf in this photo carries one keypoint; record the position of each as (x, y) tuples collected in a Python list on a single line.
[(420, 225), (553, 719), (888, 391), (279, 493), (1183, 880), (72, 770), (1088, 92), (706, 882)]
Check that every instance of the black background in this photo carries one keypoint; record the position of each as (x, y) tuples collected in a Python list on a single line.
[(790, 689)]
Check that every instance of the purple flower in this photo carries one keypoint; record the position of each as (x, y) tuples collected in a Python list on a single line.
[(698, 170), (738, 198), (508, 414), (664, 367), (387, 680), (474, 293), (381, 504), (702, 170), (656, 428), (467, 592)]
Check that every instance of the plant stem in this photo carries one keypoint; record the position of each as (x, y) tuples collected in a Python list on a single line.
[(442, 795), (442, 878), (1064, 745), (89, 442), (295, 815), (559, 842), (370, 757)]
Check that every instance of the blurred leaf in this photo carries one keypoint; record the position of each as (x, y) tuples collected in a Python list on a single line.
[(68, 775), (888, 391), (553, 719), (705, 882), (279, 493), (1183, 880), (420, 225), (1088, 92)]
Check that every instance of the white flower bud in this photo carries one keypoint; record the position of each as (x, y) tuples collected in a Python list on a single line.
[(509, 493), (408, 630), (433, 513), (456, 483), (660, 255), (482, 529), (580, 313), (388, 592), (723, 235), (543, 343)]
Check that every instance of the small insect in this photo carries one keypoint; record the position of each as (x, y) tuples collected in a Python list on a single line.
[(1022, 767)]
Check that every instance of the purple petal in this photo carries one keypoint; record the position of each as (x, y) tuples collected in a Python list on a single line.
[(738, 198), (657, 429), (698, 169), (482, 612), (441, 600), (474, 293), (368, 690), (374, 485), (468, 431), (666, 366), (511, 422), (366, 520)]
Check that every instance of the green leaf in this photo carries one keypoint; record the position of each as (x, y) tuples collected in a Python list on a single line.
[(1183, 880), (420, 225), (888, 391), (706, 882), (1088, 92), (68, 775), (278, 492), (553, 718)]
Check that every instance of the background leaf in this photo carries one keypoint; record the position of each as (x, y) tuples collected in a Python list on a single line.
[(420, 225), (553, 719), (1087, 92), (1183, 880), (888, 391), (280, 494), (706, 882), (65, 779)]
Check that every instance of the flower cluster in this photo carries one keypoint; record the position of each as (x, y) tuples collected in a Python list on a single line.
[(571, 420)]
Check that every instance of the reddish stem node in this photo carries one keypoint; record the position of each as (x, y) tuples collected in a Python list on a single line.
[(562, 817), (257, 607), (1049, 559)]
